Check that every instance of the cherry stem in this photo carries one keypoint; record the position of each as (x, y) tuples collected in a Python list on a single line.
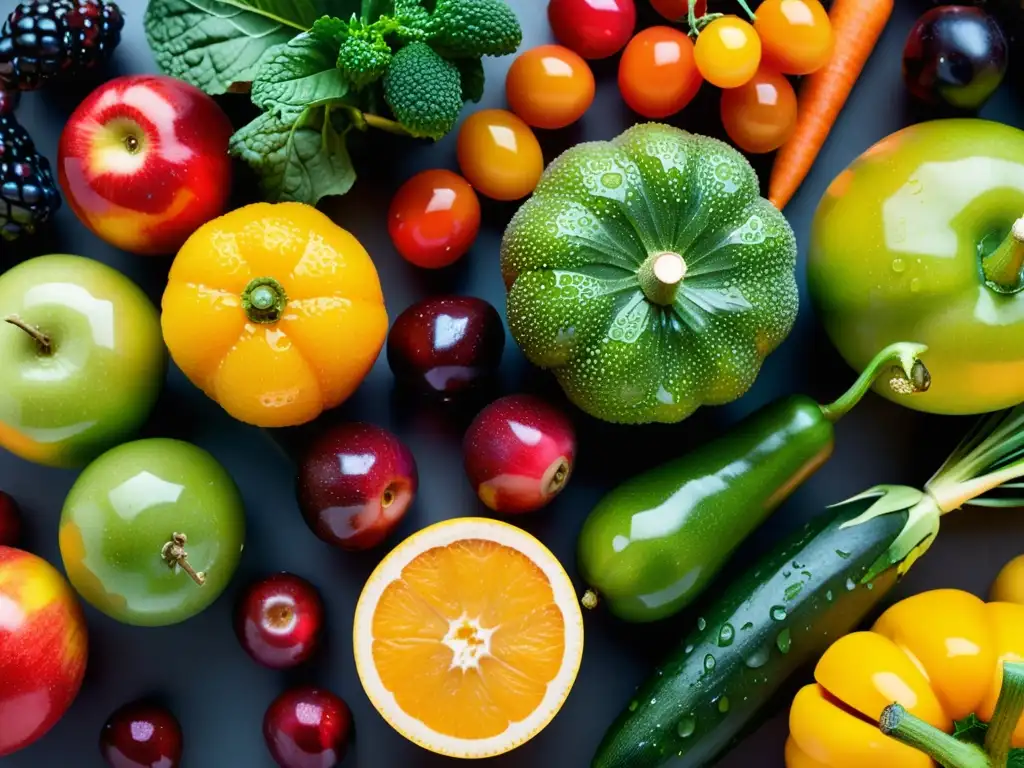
[(41, 339), (924, 737), (907, 376), (589, 600), (1008, 711), (174, 554), (1004, 267)]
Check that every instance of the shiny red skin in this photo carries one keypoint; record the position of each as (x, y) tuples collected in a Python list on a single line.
[(307, 727), (149, 202), (519, 453), (446, 345), (434, 219), (141, 735), (355, 484), (595, 29), (279, 621), (10, 521), (43, 648)]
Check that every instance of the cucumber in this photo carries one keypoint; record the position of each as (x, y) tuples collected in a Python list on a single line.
[(776, 618)]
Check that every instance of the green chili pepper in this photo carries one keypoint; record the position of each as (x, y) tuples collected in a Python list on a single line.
[(655, 542)]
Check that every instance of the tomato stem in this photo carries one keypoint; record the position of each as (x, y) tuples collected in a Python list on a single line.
[(174, 554), (1009, 708), (939, 746), (1004, 267), (900, 362), (264, 300), (40, 338), (660, 276), (746, 9)]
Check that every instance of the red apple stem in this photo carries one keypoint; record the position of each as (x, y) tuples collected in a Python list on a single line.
[(174, 554), (41, 339), (560, 477)]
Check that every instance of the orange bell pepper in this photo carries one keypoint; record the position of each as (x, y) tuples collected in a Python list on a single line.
[(940, 656), (275, 312)]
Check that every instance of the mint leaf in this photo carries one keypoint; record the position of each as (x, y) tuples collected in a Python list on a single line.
[(471, 73), (302, 160), (299, 74), (374, 9), (216, 43)]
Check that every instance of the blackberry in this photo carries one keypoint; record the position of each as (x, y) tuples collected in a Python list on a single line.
[(28, 193), (43, 39)]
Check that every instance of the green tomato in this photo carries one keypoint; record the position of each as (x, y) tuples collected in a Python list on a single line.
[(914, 242), (649, 275), (124, 518), (83, 360)]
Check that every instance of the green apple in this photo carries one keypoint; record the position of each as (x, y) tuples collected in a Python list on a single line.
[(83, 359)]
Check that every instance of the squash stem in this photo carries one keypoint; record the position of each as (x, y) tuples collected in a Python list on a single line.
[(1008, 711), (902, 364), (660, 276), (1004, 267), (940, 747), (264, 300), (41, 339)]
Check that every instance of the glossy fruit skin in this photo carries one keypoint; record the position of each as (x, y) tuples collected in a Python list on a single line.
[(658, 74), (279, 621), (147, 201), (728, 52), (122, 511), (271, 367), (796, 35), (10, 521), (622, 354), (447, 346), (760, 116), (499, 155), (595, 29), (43, 648), (1009, 584), (955, 55), (434, 219), (141, 735), (104, 375), (678, 10), (355, 484), (550, 86), (307, 727), (519, 454), (893, 255)]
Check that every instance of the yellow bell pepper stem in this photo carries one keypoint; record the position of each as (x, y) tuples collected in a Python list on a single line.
[(264, 300), (939, 746), (1004, 267), (1009, 708), (900, 362)]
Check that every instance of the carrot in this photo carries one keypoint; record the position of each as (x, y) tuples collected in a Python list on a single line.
[(857, 25)]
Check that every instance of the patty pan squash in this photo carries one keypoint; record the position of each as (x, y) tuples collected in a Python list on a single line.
[(649, 275)]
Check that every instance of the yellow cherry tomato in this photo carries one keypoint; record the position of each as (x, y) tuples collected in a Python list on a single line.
[(499, 155), (550, 86), (275, 312), (796, 35), (1009, 584), (728, 52)]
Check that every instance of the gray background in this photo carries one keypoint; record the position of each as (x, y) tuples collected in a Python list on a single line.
[(198, 668)]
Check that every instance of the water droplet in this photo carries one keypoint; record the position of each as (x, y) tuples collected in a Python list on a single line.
[(686, 727), (915, 285), (778, 613), (654, 701), (689, 649), (899, 266), (844, 555), (725, 635), (783, 641), (702, 624), (758, 658), (786, 574), (850, 586), (871, 585), (748, 625), (612, 180), (709, 663), (793, 591), (797, 564), (723, 704), (633, 705), (828, 595)]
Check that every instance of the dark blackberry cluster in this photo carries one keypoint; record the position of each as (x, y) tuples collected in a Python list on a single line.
[(28, 192), (44, 39)]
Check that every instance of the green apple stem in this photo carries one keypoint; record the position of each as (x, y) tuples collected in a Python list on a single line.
[(1004, 267), (174, 554), (41, 339)]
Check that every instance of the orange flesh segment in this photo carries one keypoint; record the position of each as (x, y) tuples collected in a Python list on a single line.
[(498, 608)]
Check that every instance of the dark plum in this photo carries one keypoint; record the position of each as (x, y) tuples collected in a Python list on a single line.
[(446, 345), (307, 727), (10, 521), (141, 735), (355, 484), (279, 620), (955, 55)]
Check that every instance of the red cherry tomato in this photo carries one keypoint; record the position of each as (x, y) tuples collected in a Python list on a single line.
[(796, 34), (678, 10), (728, 52), (657, 73), (549, 86), (434, 219), (499, 155), (761, 115), (595, 29)]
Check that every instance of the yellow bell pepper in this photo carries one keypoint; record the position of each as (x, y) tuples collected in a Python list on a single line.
[(1009, 585), (940, 657)]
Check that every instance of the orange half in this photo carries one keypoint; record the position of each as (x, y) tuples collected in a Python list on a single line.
[(468, 637)]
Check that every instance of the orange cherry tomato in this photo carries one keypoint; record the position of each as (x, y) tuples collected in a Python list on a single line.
[(728, 52), (499, 155), (761, 115), (434, 219), (678, 10), (657, 72), (796, 34), (550, 86)]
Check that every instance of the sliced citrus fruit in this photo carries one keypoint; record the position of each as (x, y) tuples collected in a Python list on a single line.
[(468, 637)]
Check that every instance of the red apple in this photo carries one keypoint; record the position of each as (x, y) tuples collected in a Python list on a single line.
[(43, 648), (10, 521), (307, 728), (144, 162)]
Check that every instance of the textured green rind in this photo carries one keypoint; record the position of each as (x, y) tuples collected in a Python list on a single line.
[(570, 256)]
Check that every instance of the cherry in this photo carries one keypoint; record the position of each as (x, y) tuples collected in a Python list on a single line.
[(519, 453), (446, 345), (355, 484), (10, 521), (141, 735), (595, 29), (9, 101), (307, 727), (279, 620)]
